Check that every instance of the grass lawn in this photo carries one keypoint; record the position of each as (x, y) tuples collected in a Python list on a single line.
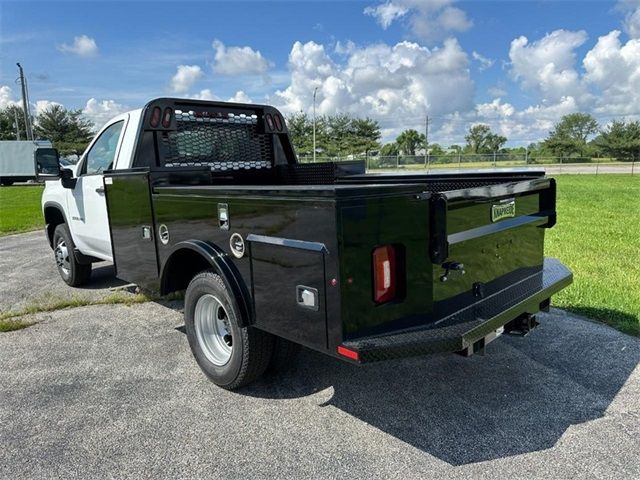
[(20, 209), (598, 237)]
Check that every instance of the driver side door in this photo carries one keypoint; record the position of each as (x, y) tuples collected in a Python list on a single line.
[(87, 204)]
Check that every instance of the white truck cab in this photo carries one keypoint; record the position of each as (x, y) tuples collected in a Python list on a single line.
[(82, 209)]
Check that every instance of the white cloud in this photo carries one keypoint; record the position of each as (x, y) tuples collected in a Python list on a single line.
[(185, 77), (631, 22), (386, 13), (240, 97), (83, 46), (497, 90), (42, 105), (99, 112), (521, 127), (453, 19), (614, 69), (495, 109), (395, 84), (608, 85), (547, 66), (239, 60), (205, 94), (428, 19), (484, 62), (7, 98)]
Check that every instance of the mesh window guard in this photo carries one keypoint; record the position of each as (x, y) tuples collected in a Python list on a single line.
[(222, 141)]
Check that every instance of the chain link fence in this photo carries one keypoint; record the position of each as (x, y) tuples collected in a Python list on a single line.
[(589, 165)]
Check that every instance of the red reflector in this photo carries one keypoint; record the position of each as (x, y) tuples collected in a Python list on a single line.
[(269, 119), (166, 117), (155, 117), (384, 274), (278, 120), (345, 352)]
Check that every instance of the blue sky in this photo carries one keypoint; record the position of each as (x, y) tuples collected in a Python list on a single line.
[(395, 61)]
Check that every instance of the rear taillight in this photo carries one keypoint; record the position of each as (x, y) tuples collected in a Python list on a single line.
[(384, 274), (155, 117), (166, 117), (278, 121)]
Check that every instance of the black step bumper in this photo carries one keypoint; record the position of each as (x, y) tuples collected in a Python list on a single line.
[(463, 328)]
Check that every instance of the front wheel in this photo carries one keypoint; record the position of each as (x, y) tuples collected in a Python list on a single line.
[(72, 272), (230, 355)]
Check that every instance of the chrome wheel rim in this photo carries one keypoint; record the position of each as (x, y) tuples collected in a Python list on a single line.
[(213, 332), (61, 253)]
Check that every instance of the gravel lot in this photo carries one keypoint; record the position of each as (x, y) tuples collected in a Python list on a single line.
[(111, 391)]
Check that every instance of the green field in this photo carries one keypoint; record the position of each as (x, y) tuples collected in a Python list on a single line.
[(597, 236), (20, 209)]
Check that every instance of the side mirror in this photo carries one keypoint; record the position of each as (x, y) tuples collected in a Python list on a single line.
[(47, 163), (67, 179)]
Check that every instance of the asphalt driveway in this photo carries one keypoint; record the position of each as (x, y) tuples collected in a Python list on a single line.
[(29, 274), (111, 391)]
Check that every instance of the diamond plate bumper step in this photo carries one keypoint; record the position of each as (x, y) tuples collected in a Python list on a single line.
[(465, 327)]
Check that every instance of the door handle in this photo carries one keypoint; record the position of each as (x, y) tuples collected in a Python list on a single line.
[(100, 190)]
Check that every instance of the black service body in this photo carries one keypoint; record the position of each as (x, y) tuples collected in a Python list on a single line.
[(461, 274)]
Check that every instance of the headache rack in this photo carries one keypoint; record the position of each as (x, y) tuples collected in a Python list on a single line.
[(223, 137)]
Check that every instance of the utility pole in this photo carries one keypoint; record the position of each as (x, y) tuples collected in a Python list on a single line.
[(15, 116), (25, 104), (315, 90), (426, 132), (426, 141)]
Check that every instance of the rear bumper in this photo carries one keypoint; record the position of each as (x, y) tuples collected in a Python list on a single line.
[(463, 328)]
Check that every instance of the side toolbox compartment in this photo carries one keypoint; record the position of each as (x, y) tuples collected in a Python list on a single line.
[(288, 288), (133, 231)]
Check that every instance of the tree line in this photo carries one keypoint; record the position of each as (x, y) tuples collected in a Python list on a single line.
[(574, 135), (69, 131), (342, 135)]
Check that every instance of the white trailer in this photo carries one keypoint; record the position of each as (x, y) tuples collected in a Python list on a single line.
[(17, 160)]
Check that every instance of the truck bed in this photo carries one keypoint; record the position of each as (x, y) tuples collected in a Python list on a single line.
[(323, 234)]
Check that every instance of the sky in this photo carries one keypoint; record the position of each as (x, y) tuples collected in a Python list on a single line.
[(518, 66)]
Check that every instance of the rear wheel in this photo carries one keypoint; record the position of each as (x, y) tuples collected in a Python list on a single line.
[(7, 182), (71, 271), (230, 355), (284, 357)]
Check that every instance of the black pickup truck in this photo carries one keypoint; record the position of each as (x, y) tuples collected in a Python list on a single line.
[(273, 253)]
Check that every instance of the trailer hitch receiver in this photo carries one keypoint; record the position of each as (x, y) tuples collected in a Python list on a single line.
[(521, 325)]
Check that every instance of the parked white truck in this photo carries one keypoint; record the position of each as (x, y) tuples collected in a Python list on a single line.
[(17, 159)]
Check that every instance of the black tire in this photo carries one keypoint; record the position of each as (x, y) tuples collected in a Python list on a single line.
[(250, 348), (284, 357), (7, 182), (72, 272)]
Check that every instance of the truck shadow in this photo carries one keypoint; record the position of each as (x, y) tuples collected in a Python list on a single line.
[(103, 276), (519, 398)]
